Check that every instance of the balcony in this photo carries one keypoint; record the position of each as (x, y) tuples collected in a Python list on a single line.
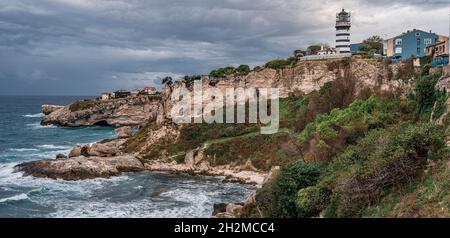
[(343, 23)]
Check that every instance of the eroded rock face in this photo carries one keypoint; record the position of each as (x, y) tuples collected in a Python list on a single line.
[(124, 132), (81, 167), (104, 148), (75, 152), (47, 109), (302, 78), (116, 112)]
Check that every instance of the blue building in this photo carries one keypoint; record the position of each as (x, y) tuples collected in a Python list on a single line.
[(409, 45), (354, 48)]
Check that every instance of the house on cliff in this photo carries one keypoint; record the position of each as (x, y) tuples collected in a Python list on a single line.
[(149, 90), (439, 52), (411, 44)]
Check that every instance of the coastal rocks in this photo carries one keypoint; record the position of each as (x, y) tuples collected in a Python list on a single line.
[(130, 111), (61, 156), (152, 135), (124, 132), (227, 210), (106, 148), (47, 109), (81, 167), (75, 152), (203, 168)]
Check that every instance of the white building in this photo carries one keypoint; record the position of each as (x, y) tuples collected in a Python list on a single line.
[(106, 96)]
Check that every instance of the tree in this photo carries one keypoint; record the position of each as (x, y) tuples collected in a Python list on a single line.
[(277, 64), (168, 81), (372, 45), (222, 72), (243, 69), (299, 53), (313, 49)]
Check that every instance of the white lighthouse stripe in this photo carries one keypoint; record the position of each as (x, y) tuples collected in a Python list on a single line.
[(342, 31)]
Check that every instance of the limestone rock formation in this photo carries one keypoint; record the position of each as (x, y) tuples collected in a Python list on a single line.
[(47, 109), (81, 167), (115, 112), (124, 132)]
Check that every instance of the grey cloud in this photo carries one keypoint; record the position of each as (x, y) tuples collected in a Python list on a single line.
[(77, 46)]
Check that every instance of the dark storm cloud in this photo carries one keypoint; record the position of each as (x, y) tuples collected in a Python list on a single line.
[(87, 46)]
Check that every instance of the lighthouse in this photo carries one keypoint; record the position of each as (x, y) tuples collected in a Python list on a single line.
[(343, 32)]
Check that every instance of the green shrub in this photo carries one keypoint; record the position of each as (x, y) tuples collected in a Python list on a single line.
[(311, 200), (278, 64), (440, 104), (223, 72), (330, 133), (426, 95), (381, 160), (291, 179), (188, 80), (243, 69), (264, 151)]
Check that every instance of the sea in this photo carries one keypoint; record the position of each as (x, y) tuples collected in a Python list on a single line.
[(144, 194)]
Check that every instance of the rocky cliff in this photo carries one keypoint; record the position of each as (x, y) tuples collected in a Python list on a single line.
[(115, 112), (303, 78)]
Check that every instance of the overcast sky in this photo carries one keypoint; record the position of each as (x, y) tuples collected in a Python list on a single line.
[(83, 47)]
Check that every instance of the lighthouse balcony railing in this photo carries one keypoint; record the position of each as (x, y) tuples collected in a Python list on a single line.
[(343, 24)]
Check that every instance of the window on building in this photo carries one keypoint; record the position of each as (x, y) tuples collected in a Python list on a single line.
[(427, 41), (398, 41), (417, 33), (398, 50)]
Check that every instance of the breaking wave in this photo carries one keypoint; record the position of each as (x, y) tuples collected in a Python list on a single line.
[(38, 125), (34, 115), (53, 147), (19, 197)]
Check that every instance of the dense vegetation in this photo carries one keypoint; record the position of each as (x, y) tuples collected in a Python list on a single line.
[(377, 157), (342, 154), (223, 72)]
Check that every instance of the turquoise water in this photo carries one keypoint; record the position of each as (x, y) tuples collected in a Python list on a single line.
[(144, 194)]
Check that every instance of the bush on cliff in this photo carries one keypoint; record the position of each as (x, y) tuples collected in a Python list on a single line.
[(384, 159), (243, 69), (426, 96), (264, 151), (331, 133), (278, 64), (278, 198)]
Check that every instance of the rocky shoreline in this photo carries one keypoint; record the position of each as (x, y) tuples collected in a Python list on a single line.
[(104, 159)]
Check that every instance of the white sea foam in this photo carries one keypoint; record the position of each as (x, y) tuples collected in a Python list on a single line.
[(53, 147), (22, 149), (19, 197), (38, 125), (34, 115), (6, 170)]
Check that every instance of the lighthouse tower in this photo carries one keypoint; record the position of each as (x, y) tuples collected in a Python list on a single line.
[(343, 32)]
